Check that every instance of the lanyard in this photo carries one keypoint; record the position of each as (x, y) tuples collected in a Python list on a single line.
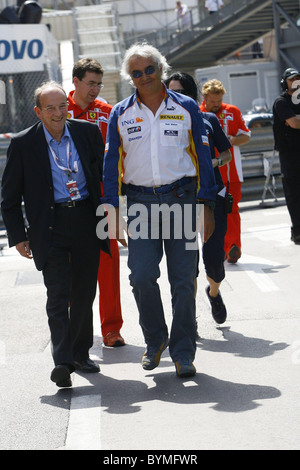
[(67, 169)]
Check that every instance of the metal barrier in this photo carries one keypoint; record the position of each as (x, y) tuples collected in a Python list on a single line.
[(173, 35), (262, 176), (260, 163)]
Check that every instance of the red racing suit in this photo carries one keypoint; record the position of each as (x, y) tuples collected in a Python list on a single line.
[(232, 122), (109, 268)]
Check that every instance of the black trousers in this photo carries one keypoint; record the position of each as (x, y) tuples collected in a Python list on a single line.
[(213, 250), (70, 276), (290, 183)]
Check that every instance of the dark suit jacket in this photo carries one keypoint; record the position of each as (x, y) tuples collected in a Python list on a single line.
[(27, 176)]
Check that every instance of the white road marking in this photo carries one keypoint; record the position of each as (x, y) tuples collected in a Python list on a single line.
[(84, 423), (84, 426), (254, 267), (278, 233)]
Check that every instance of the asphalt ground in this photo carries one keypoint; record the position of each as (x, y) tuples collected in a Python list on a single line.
[(245, 395)]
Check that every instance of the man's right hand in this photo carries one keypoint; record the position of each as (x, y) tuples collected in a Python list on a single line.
[(24, 249), (120, 229), (117, 225)]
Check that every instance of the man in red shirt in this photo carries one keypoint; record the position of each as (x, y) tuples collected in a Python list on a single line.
[(83, 104), (233, 124)]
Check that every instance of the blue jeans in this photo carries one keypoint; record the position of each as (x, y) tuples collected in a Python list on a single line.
[(145, 254)]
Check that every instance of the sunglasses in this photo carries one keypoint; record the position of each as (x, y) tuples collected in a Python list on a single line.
[(148, 71)]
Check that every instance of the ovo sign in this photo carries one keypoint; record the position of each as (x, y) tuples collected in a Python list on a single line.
[(19, 50), (26, 48)]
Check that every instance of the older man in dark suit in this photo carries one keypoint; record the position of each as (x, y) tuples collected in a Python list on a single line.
[(55, 168)]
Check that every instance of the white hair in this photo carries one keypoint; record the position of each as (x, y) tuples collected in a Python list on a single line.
[(144, 50)]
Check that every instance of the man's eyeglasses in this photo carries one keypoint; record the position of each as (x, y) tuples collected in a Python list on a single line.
[(93, 84), (148, 71)]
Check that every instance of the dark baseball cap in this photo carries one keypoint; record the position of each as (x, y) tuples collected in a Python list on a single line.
[(290, 73)]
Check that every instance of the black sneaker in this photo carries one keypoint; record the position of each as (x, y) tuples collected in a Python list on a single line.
[(218, 308), (151, 357)]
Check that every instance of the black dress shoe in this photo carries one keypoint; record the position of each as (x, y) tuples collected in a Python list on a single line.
[(295, 239), (61, 376), (87, 365)]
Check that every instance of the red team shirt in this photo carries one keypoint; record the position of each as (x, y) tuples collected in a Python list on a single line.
[(97, 112), (233, 123)]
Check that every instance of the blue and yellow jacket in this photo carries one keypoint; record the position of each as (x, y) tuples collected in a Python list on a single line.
[(147, 150)]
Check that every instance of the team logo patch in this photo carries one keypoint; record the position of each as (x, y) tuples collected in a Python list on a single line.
[(167, 117), (131, 130), (102, 119), (92, 115), (171, 133), (106, 146)]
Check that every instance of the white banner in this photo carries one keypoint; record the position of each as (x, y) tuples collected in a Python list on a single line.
[(24, 48)]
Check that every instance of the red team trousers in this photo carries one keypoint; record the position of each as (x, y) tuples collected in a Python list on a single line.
[(109, 287), (233, 234), (109, 267)]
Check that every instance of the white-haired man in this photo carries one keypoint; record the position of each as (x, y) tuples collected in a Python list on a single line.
[(158, 149)]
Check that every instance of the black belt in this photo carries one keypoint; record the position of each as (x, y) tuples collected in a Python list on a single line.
[(70, 203), (164, 188)]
